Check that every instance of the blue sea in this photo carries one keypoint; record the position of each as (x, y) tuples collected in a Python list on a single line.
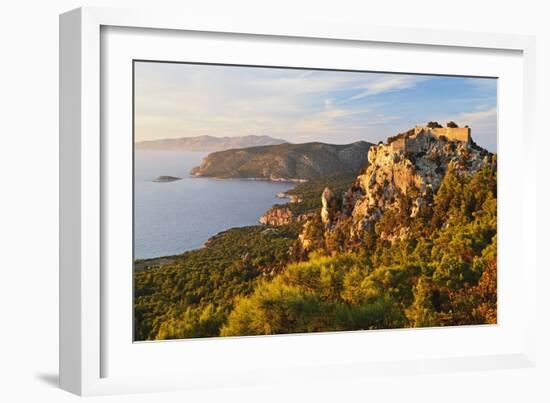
[(174, 217)]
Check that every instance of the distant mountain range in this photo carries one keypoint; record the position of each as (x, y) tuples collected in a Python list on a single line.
[(207, 143), (285, 162)]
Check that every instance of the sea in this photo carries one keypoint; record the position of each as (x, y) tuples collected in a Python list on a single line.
[(174, 217)]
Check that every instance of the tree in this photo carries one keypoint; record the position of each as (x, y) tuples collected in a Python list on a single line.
[(433, 125), (422, 313), (452, 124), (276, 308), (322, 294)]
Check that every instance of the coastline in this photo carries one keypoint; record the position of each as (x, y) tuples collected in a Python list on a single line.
[(145, 262), (260, 179)]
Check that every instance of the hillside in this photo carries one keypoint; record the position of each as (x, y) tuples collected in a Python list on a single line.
[(411, 241), (206, 143), (191, 294), (403, 181), (292, 162)]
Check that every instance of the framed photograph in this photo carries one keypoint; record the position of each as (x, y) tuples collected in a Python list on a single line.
[(247, 204)]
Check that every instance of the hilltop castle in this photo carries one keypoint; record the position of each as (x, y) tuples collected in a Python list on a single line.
[(416, 138)]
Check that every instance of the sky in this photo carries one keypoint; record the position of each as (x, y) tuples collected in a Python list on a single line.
[(182, 100)]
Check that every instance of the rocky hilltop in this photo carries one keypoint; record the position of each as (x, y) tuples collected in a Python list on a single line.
[(401, 178), (207, 143), (285, 162)]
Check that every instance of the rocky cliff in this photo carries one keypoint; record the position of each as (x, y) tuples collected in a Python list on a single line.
[(400, 179), (277, 215), (285, 162), (281, 215)]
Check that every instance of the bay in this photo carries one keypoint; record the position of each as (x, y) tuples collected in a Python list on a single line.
[(174, 217)]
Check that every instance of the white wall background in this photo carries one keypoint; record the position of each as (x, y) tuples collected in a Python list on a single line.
[(29, 187)]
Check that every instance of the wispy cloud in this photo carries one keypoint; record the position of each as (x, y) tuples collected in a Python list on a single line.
[(387, 84), (476, 117), (180, 100)]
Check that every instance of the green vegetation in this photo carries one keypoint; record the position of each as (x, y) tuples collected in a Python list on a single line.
[(191, 294), (324, 293), (445, 274), (256, 280), (309, 192), (434, 125)]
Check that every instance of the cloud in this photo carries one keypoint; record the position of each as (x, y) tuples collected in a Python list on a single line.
[(387, 84), (180, 100), (484, 126), (480, 116), (237, 101)]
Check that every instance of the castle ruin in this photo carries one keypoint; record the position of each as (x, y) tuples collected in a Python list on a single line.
[(416, 138)]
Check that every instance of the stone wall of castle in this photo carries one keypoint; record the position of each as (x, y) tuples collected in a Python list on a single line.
[(452, 133), (418, 140), (398, 144)]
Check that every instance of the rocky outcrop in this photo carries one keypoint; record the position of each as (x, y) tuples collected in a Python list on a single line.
[(306, 240), (415, 173), (396, 176), (277, 215), (329, 207), (281, 215)]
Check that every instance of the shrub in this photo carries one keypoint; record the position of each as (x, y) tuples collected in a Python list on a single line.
[(433, 125)]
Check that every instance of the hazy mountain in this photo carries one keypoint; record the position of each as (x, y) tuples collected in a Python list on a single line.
[(285, 161), (207, 143)]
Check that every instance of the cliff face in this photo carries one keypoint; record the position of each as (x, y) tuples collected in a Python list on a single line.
[(285, 162), (414, 174), (398, 177), (329, 207), (276, 216), (280, 215)]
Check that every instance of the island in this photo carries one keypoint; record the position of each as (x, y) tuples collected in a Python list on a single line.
[(166, 178)]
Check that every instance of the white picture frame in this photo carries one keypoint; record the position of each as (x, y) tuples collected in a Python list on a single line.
[(83, 173)]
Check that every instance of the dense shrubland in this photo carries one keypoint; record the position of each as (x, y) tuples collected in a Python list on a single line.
[(257, 280), (191, 295)]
